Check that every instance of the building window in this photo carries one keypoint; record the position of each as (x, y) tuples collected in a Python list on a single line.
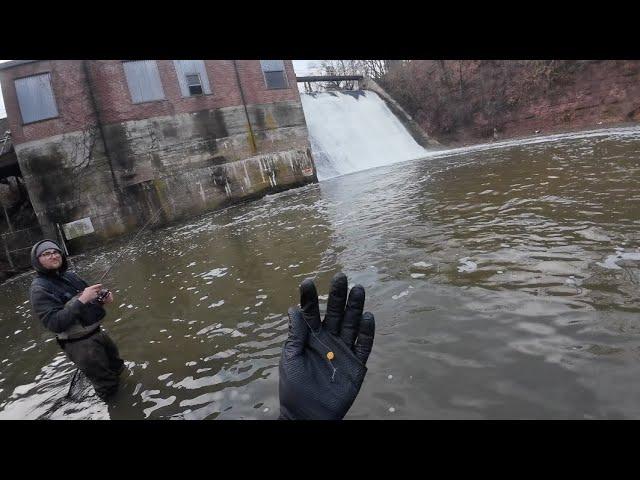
[(194, 84), (35, 98), (143, 80), (275, 75), (192, 77)]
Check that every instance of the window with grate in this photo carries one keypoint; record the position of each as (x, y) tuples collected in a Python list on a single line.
[(194, 85), (192, 77)]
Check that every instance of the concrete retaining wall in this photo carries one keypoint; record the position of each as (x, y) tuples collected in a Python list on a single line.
[(183, 164)]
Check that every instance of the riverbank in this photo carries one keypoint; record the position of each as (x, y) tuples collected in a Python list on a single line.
[(471, 101), (540, 133)]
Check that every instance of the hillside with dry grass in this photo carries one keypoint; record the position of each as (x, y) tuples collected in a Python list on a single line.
[(461, 102)]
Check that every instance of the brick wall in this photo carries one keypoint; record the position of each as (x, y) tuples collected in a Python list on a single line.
[(255, 90), (185, 155), (70, 93), (113, 99)]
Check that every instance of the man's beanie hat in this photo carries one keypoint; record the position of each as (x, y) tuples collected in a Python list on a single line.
[(46, 245)]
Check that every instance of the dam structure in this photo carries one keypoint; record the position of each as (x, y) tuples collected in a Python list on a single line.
[(354, 130), (102, 145)]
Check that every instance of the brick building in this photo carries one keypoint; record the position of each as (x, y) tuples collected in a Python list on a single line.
[(104, 144)]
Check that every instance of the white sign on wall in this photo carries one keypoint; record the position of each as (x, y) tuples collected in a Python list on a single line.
[(78, 228)]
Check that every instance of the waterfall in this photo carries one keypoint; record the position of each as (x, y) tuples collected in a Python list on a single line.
[(351, 131)]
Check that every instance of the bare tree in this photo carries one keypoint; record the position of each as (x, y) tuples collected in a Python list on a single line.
[(375, 69), (81, 157), (340, 67)]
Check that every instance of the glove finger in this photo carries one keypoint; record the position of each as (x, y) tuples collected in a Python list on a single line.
[(336, 302), (352, 315), (364, 342), (309, 303), (298, 333)]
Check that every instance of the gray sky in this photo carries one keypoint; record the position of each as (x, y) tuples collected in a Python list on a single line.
[(306, 67), (301, 67)]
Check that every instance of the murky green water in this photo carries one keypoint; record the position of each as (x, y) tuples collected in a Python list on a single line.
[(504, 282)]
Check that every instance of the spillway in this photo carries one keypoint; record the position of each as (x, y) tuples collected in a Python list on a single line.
[(352, 131)]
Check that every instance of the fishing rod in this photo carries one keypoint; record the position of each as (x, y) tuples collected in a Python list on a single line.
[(105, 292)]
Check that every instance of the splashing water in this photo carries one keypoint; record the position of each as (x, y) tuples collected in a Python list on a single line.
[(354, 131)]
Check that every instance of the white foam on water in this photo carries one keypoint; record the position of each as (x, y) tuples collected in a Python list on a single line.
[(215, 273), (350, 132), (610, 261), (467, 265), (422, 264), (400, 295)]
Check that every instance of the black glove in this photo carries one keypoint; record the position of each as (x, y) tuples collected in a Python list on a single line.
[(92, 312), (323, 364)]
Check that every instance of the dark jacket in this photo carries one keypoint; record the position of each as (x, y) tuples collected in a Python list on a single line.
[(54, 300)]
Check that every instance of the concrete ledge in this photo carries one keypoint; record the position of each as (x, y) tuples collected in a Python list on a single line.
[(410, 124)]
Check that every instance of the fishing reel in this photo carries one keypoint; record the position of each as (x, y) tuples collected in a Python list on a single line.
[(104, 293)]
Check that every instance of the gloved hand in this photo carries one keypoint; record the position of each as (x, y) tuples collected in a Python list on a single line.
[(323, 363)]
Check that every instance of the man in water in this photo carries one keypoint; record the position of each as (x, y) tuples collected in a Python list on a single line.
[(72, 309)]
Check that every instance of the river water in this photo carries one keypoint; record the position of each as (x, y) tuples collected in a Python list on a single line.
[(504, 280)]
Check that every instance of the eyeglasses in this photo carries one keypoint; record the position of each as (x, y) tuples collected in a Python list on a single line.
[(49, 254)]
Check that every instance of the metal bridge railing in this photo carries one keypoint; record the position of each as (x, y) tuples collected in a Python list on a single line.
[(16, 246)]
